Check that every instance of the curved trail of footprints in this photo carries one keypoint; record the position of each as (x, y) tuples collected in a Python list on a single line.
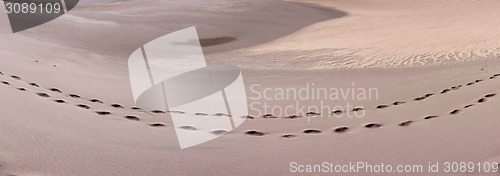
[(338, 130)]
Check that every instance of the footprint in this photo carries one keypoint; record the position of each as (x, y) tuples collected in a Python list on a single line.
[(255, 133), (201, 114), (132, 118), (382, 106), (34, 84), (292, 117), (358, 109), (55, 90), (188, 128), (398, 103), (43, 95), (248, 117), (219, 132), (269, 116), (445, 91), (456, 111), (96, 101), (490, 95), (156, 125), (177, 112), (430, 117), (419, 98), (428, 95), (221, 114), (158, 112), (373, 125), (74, 96), (312, 131), (59, 101), (313, 114), (5, 82), (16, 77), (21, 89), (337, 112), (470, 84), (83, 106), (406, 123), (341, 129), (479, 80), (468, 106), (116, 106), (482, 100), (135, 108), (288, 136), (103, 112)]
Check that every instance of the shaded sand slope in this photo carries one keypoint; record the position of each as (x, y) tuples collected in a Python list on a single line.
[(387, 33)]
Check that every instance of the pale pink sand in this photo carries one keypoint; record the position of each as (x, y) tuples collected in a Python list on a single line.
[(41, 137)]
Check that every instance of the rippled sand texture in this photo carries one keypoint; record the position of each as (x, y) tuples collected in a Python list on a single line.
[(390, 33)]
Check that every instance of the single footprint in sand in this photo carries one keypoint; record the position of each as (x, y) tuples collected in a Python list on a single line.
[(398, 103), (200, 114), (358, 109), (158, 112), (222, 114), (21, 89), (430, 117), (406, 123), (490, 95), (103, 112), (59, 101), (269, 116), (74, 96), (219, 132), (16, 77), (482, 100), (116, 106), (288, 136), (5, 82), (135, 108), (248, 117), (312, 114), (177, 112), (96, 101), (382, 106), (83, 106), (156, 125), (468, 106), (445, 91), (470, 84), (373, 125), (456, 111), (255, 133), (341, 129), (188, 128), (336, 112), (55, 90), (134, 118), (312, 131), (34, 84), (43, 95), (419, 98), (292, 117)]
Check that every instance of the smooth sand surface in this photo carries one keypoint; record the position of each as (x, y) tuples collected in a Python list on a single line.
[(67, 107)]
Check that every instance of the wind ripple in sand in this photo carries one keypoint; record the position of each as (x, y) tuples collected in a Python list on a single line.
[(338, 58)]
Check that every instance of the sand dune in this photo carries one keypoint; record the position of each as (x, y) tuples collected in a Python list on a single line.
[(67, 106), (394, 33)]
